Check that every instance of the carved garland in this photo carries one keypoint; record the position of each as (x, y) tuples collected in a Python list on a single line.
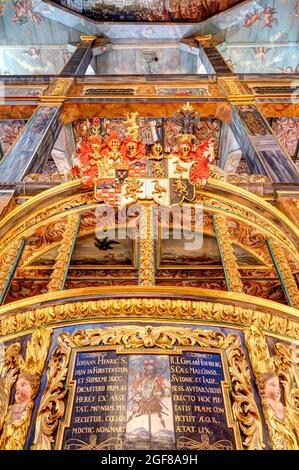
[(52, 407)]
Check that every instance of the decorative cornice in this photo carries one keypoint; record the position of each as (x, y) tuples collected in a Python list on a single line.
[(140, 303)]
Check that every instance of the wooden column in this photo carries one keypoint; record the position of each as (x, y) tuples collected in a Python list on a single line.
[(146, 262), (211, 57), (262, 151), (33, 146), (64, 255), (284, 272), (229, 261), (81, 58)]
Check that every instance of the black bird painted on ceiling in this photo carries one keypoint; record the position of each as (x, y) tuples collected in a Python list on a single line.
[(105, 244)]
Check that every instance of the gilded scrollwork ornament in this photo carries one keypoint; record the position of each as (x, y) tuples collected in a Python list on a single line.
[(281, 419), (244, 407), (9, 368), (17, 417), (171, 308), (286, 360), (52, 407)]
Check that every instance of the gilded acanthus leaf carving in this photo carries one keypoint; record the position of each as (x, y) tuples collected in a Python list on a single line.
[(52, 407), (230, 261), (147, 255), (9, 369), (148, 307), (286, 361), (63, 254), (282, 420), (147, 337), (244, 407)]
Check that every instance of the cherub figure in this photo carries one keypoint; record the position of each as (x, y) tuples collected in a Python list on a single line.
[(17, 421), (20, 12), (281, 426), (269, 18), (252, 18), (272, 394)]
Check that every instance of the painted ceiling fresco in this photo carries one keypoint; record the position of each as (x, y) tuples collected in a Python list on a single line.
[(276, 22), (32, 60), (262, 59), (21, 23), (148, 10), (266, 41)]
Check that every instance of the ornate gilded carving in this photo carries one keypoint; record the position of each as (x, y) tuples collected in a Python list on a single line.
[(286, 272), (204, 444), (205, 41), (55, 177), (230, 261), (147, 256), (149, 307), (7, 259), (10, 359), (52, 407), (64, 251), (244, 407), (134, 337), (164, 337), (234, 178), (252, 218), (281, 423), (286, 361), (43, 214), (18, 416), (59, 87), (235, 90)]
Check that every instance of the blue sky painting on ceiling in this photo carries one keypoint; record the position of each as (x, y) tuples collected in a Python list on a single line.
[(32, 60), (21, 23), (262, 59), (267, 41)]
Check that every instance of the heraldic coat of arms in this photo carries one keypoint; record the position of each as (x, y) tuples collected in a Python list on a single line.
[(122, 171)]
